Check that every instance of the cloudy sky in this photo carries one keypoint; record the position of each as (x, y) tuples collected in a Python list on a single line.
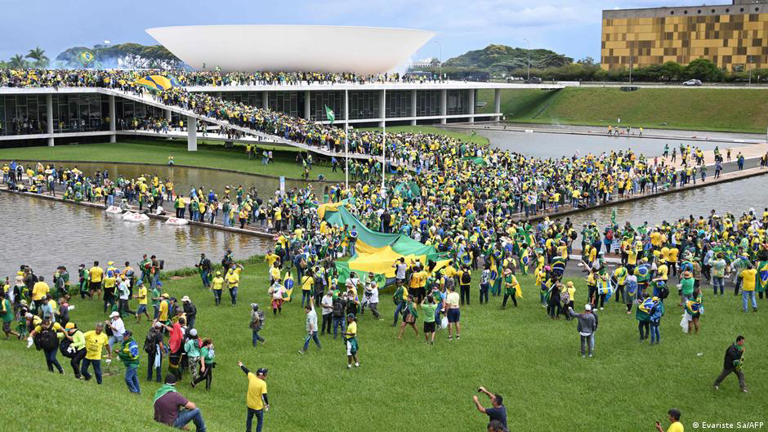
[(568, 27)]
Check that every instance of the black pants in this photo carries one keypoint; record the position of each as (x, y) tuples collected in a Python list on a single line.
[(553, 309), (645, 329), (508, 296), (75, 361), (326, 326), (484, 293), (124, 307), (727, 372), (464, 293), (206, 376)]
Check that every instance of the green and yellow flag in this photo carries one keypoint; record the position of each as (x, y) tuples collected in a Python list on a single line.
[(329, 114)]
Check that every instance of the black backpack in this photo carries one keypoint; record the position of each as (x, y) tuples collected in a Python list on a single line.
[(65, 350), (46, 340), (466, 278)]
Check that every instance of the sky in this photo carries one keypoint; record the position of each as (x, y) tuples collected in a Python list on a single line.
[(567, 27)]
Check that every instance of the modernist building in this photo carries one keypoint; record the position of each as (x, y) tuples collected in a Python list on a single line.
[(80, 114), (734, 36)]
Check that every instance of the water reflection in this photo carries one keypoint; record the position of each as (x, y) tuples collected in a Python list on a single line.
[(45, 234)]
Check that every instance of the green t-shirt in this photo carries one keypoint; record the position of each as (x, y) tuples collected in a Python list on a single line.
[(686, 285), (7, 311), (156, 295), (429, 312)]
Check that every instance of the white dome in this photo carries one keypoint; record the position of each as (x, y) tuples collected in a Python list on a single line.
[(305, 48)]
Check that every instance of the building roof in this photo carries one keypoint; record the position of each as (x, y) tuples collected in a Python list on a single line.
[(315, 48)]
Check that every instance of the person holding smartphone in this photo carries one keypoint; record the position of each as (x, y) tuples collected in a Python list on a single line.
[(497, 412), (674, 422)]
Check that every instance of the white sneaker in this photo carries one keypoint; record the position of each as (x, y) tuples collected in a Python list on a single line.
[(349, 366), (357, 364)]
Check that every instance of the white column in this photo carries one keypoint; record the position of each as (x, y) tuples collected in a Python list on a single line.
[(413, 106), (49, 115), (383, 108), (471, 105), (443, 106), (112, 121), (168, 116), (265, 99), (497, 103), (191, 133), (307, 107)]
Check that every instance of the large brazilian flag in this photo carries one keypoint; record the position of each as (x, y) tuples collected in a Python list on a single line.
[(158, 83), (376, 251)]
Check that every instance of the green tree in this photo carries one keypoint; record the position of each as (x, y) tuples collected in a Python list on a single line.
[(17, 62), (671, 71), (704, 70), (38, 55)]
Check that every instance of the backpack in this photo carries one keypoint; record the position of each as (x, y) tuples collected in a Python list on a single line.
[(46, 340), (338, 308), (466, 278), (66, 348), (149, 343)]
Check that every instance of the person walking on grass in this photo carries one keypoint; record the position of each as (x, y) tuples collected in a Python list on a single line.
[(256, 398), (586, 328), (409, 317), (129, 355), (257, 323), (428, 308), (674, 422), (77, 346), (497, 412), (207, 357), (311, 327), (453, 312), (732, 363), (350, 341), (511, 285), (95, 342)]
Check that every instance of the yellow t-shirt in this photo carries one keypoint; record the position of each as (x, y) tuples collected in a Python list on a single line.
[(270, 259), (631, 257), (233, 278), (217, 283), (676, 427), (56, 327), (94, 344), (663, 272), (40, 290), (96, 274), (162, 314), (351, 330), (452, 300), (256, 388), (307, 282), (142, 294)]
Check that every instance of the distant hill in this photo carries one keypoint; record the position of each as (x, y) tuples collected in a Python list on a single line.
[(127, 55), (502, 59)]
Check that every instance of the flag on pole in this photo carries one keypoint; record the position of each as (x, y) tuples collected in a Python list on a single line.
[(613, 216), (329, 114)]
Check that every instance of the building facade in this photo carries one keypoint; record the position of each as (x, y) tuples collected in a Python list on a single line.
[(734, 37)]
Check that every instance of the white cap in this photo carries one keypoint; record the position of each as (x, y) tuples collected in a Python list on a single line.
[(185, 299), (114, 314), (193, 332), (588, 307)]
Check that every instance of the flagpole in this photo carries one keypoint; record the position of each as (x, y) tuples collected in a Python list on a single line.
[(384, 145), (346, 140)]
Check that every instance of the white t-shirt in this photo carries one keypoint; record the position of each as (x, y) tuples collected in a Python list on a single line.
[(124, 291), (327, 304), (311, 321), (374, 298), (118, 327), (400, 270)]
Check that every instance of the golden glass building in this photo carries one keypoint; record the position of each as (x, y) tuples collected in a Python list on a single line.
[(734, 37)]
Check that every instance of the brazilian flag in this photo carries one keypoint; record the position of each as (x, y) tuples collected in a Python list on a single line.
[(762, 276), (86, 57)]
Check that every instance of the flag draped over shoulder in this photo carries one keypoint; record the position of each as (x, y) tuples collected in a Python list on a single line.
[(329, 114)]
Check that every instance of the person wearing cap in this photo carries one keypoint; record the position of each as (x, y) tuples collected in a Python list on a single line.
[(192, 350), (117, 326), (207, 363), (173, 409), (124, 295), (350, 341), (190, 311), (233, 281), (311, 327), (204, 266), (256, 398), (217, 285), (95, 342), (110, 283), (511, 285), (154, 347), (164, 307), (686, 286), (586, 328), (77, 343), (129, 355)]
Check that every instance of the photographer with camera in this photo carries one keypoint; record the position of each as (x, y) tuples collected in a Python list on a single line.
[(497, 412)]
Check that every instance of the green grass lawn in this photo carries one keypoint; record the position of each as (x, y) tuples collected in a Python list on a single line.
[(477, 139), (142, 151), (737, 110), (532, 361)]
